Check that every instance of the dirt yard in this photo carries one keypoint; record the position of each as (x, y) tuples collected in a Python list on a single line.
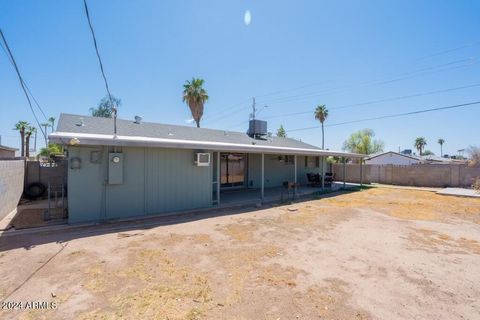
[(374, 254)]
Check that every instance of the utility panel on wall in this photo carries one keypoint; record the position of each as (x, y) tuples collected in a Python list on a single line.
[(115, 168)]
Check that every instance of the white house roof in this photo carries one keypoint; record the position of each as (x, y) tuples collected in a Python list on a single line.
[(99, 131), (393, 152)]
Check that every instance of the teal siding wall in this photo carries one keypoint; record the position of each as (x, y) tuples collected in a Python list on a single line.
[(276, 172), (175, 183), (154, 181), (86, 192), (127, 199)]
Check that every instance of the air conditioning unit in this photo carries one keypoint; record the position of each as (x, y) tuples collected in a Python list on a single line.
[(202, 159)]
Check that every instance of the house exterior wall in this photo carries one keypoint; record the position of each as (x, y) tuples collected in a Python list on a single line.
[(154, 181), (5, 153), (392, 158), (277, 172)]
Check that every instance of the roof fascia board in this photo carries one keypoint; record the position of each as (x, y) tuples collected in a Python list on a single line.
[(132, 141)]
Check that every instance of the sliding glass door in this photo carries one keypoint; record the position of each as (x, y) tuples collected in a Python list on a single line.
[(232, 170)]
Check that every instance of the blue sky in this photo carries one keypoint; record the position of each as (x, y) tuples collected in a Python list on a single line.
[(293, 56)]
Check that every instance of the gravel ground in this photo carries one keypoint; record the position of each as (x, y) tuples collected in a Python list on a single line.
[(374, 254)]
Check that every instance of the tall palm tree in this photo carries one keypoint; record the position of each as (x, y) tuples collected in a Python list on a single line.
[(441, 141), (420, 143), (28, 133), (195, 96), (321, 114), (52, 122), (21, 126)]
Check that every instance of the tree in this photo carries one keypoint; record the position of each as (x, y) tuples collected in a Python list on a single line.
[(428, 153), (195, 96), (420, 144), (52, 123), (52, 149), (362, 142), (321, 114), (105, 107), (21, 126), (474, 155), (281, 132), (441, 142), (28, 133)]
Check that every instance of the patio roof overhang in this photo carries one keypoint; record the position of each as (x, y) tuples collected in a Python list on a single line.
[(136, 141)]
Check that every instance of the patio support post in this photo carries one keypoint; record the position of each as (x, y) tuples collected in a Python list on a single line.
[(323, 172), (344, 171), (361, 172), (218, 178), (263, 176), (295, 164)]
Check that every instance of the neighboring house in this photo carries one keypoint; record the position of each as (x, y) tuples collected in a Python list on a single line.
[(7, 152), (394, 158), (441, 160), (404, 159), (150, 168)]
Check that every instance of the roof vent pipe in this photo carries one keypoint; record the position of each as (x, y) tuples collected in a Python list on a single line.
[(80, 123), (138, 119)]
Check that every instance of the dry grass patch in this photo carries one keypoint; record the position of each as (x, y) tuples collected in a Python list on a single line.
[(433, 241), (408, 204), (152, 286)]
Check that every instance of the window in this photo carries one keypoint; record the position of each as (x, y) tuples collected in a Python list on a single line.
[(287, 159), (312, 162)]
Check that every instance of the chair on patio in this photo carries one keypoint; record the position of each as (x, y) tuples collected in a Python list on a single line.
[(314, 179), (329, 177)]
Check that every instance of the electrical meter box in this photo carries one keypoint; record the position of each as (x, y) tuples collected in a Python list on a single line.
[(115, 168)]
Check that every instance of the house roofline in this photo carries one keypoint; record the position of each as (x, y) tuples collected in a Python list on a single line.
[(7, 148), (137, 141), (400, 154)]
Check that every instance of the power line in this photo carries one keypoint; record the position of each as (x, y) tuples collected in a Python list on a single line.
[(377, 101), (22, 83), (402, 76), (28, 89), (391, 116), (114, 108)]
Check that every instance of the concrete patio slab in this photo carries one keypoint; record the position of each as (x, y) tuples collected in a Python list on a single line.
[(459, 192)]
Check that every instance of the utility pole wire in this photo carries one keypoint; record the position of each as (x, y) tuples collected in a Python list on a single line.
[(391, 116), (114, 108), (378, 101), (25, 84), (22, 83)]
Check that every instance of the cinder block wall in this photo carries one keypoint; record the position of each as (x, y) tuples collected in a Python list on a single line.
[(422, 175), (11, 185)]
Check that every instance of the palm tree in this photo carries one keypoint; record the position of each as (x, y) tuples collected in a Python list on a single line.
[(52, 123), (28, 133), (321, 114), (441, 141), (420, 143), (21, 126), (195, 96)]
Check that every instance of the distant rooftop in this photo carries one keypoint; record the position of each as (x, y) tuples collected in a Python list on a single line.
[(2, 147)]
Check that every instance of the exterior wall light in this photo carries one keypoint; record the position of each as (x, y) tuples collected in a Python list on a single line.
[(74, 141)]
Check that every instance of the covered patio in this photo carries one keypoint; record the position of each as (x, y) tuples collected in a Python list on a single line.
[(246, 177), (277, 194)]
